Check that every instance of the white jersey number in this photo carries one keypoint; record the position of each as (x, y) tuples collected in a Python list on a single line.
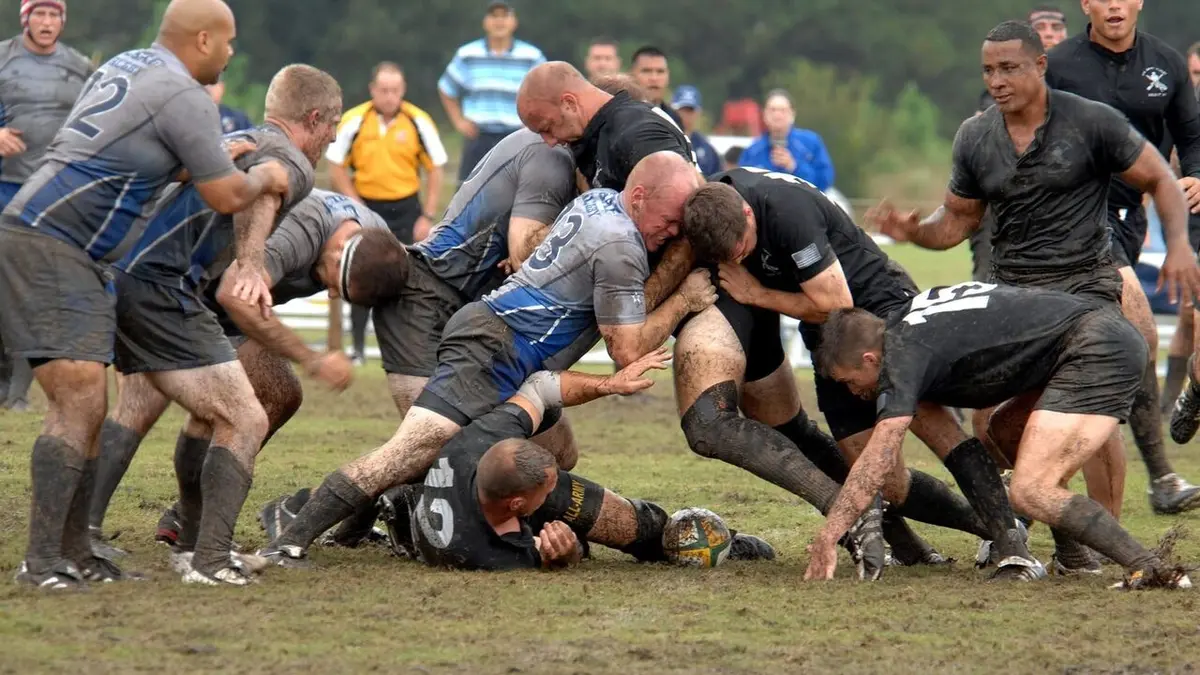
[(956, 298), (440, 476)]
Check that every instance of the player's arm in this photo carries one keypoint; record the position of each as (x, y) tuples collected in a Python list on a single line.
[(672, 269), (545, 184), (819, 296), (1151, 174), (1183, 121), (629, 333), (866, 478)]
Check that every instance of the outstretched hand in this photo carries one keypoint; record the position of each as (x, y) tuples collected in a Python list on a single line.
[(630, 379), (899, 226)]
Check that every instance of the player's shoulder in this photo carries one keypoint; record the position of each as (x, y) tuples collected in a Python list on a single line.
[(472, 50), (601, 208), (73, 58), (534, 151), (1074, 108), (1151, 47), (1067, 50)]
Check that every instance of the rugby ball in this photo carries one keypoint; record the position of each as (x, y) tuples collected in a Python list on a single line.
[(696, 537)]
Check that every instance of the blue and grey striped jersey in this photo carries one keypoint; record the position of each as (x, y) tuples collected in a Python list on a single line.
[(486, 83)]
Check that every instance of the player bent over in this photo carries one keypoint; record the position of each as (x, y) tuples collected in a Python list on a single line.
[(328, 242), (977, 345), (585, 281)]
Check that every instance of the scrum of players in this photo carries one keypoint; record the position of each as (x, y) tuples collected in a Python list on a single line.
[(147, 241)]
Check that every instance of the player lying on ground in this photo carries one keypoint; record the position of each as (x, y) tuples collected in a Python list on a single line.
[(1076, 363), (586, 280), (327, 242), (802, 256), (1043, 160), (165, 334), (491, 491), (142, 119)]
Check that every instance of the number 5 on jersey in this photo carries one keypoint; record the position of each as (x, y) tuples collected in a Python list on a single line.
[(956, 298)]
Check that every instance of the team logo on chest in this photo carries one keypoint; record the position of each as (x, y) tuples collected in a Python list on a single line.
[(1157, 87), (767, 264)]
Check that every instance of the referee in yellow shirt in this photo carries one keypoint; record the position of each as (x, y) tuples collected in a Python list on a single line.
[(382, 148)]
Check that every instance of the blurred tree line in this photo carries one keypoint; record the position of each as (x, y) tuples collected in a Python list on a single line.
[(880, 79)]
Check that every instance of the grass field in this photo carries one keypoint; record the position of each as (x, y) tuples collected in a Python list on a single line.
[(363, 610)]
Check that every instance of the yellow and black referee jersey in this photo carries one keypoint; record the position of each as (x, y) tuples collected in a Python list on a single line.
[(386, 158)]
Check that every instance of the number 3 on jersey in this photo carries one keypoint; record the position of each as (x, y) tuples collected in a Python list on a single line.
[(956, 298), (117, 88), (544, 255)]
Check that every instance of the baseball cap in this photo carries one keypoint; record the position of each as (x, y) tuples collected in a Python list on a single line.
[(686, 96), (498, 4)]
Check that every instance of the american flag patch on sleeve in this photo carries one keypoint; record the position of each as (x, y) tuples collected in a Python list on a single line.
[(807, 256)]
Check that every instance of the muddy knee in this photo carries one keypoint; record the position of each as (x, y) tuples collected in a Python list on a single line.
[(702, 423)]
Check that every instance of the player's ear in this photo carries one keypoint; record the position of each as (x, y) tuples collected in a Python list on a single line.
[(870, 359), (517, 505), (1041, 65)]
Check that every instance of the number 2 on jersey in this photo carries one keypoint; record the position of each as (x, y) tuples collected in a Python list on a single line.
[(548, 250), (120, 88), (956, 298)]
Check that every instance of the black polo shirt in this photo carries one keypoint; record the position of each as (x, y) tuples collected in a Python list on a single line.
[(1149, 84), (1049, 204)]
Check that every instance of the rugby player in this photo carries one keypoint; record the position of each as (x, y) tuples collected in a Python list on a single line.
[(585, 281), (327, 243), (40, 78), (165, 334), (1042, 160), (143, 117), (1069, 367), (1144, 78), (803, 257), (490, 490)]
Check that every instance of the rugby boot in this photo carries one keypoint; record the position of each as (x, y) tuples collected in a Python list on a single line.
[(62, 576), (1171, 494), (907, 548), (102, 545), (1143, 579), (1185, 418), (864, 541), (750, 547), (1019, 568), (393, 511), (987, 555), (99, 569), (286, 555), (277, 514), (167, 530)]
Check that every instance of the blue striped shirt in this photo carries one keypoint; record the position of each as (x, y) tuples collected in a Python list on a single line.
[(486, 83)]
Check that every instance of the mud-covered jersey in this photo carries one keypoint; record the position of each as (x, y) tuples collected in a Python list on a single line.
[(973, 345), (187, 243), (37, 92), (801, 233), (620, 135), (140, 120), (448, 525), (521, 177), (1149, 84), (591, 269), (1050, 205)]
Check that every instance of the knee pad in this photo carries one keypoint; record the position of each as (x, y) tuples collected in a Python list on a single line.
[(651, 519), (701, 423)]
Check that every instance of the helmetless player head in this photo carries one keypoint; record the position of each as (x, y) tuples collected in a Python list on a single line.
[(855, 351), (1014, 67), (556, 102), (719, 224)]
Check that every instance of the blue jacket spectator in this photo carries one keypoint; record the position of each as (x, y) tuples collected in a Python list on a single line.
[(687, 103), (786, 149)]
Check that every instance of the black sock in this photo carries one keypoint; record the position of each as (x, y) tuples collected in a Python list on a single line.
[(1088, 523), (932, 501), (907, 546), (56, 469), (1145, 420), (190, 454), (354, 529), (819, 447), (1072, 554), (225, 484), (714, 429), (335, 500), (1177, 372), (979, 479), (77, 541), (358, 328), (118, 444)]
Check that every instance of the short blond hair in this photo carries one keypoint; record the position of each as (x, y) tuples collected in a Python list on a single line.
[(298, 89)]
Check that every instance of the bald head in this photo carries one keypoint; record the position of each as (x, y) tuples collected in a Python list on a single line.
[(556, 102), (514, 468), (656, 191), (199, 33)]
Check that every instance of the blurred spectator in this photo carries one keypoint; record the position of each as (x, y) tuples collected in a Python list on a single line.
[(732, 158), (687, 104), (1050, 24), (388, 143), (479, 87), (650, 71), (786, 149), (603, 58), (232, 119), (40, 78)]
